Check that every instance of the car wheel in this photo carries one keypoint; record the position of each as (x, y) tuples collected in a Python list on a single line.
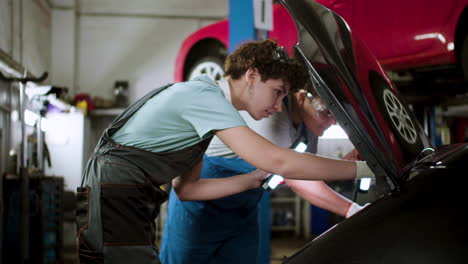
[(211, 66), (464, 57), (400, 119)]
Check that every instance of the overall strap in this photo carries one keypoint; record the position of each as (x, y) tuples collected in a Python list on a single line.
[(121, 119)]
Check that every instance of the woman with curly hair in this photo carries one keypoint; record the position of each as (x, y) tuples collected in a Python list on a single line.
[(163, 136)]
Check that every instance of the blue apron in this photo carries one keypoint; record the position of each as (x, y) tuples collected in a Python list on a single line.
[(213, 231)]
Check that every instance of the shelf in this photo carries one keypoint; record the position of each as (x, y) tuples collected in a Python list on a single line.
[(286, 214), (283, 228), (107, 111), (456, 111)]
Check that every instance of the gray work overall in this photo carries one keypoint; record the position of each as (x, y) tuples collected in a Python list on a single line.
[(120, 196)]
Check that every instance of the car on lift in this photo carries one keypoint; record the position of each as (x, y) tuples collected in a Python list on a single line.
[(412, 38), (418, 198)]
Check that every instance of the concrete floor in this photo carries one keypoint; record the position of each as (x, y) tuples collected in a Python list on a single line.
[(282, 246)]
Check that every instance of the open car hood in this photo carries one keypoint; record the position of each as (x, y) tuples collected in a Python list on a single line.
[(358, 92)]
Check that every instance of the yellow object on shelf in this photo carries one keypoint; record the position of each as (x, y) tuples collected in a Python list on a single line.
[(83, 105)]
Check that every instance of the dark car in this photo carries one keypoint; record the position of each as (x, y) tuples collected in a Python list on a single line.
[(418, 201)]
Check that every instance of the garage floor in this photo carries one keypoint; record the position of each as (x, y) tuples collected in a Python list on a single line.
[(282, 246)]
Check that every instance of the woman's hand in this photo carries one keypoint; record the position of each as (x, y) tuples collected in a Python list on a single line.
[(190, 187), (258, 176), (353, 155)]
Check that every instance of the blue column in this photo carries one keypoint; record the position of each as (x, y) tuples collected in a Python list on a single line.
[(241, 30), (435, 137), (241, 23)]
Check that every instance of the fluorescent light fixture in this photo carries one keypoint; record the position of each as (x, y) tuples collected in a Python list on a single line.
[(334, 132), (364, 184)]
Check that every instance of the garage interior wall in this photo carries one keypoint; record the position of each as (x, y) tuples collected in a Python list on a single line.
[(25, 40), (25, 31), (97, 42), (87, 45)]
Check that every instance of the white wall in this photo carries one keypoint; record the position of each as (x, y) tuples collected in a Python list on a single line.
[(141, 50), (36, 37), (25, 33), (86, 45), (193, 8), (334, 148), (63, 47), (115, 40), (5, 26)]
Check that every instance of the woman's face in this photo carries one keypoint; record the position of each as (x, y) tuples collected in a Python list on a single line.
[(265, 98), (316, 116)]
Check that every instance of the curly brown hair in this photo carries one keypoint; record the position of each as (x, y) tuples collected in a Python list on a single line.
[(259, 55)]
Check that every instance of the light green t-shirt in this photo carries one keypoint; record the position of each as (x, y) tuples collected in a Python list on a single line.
[(178, 117)]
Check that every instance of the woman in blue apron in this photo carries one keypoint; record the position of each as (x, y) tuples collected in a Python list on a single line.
[(227, 230), (163, 136)]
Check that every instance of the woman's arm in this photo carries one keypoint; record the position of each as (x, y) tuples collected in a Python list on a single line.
[(190, 187), (320, 194), (286, 162)]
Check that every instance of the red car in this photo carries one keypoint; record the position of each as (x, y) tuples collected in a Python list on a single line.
[(405, 36)]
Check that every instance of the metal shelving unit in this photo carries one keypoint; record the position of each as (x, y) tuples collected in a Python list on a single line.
[(286, 214)]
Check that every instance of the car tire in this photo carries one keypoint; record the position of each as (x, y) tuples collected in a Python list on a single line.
[(400, 119), (210, 65), (464, 57)]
